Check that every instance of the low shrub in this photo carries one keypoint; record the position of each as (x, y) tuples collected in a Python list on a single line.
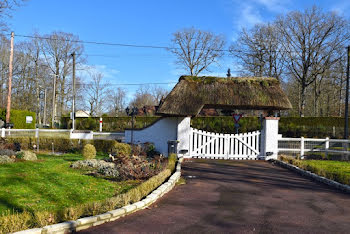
[(121, 149), (89, 151), (99, 167), (14, 221), (6, 159), (103, 145), (7, 152), (64, 145), (27, 155), (44, 218), (334, 170)]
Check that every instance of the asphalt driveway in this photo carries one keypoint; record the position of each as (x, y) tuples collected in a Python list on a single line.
[(240, 197)]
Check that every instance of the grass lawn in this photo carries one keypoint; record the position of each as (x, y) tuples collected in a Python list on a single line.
[(50, 184), (335, 170)]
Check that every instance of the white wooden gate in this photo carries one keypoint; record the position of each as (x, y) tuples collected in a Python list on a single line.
[(224, 146)]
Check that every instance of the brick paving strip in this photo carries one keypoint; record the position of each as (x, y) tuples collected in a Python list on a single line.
[(240, 197)]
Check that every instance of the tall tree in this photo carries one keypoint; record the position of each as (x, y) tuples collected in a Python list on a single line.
[(6, 8), (96, 92), (196, 50), (310, 40), (117, 101), (57, 49), (259, 52)]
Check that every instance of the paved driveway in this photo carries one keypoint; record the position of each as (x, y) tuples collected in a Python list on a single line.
[(240, 197)]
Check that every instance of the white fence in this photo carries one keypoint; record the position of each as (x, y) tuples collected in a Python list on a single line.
[(61, 133), (224, 146), (303, 145)]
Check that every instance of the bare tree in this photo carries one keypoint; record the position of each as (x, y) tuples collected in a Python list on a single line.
[(117, 101), (143, 97), (159, 93), (6, 8), (259, 52), (57, 49), (310, 40), (196, 50), (96, 92)]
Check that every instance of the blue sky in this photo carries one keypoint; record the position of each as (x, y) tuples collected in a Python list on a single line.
[(150, 22)]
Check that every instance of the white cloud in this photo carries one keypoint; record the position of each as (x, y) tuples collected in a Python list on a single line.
[(85, 71), (249, 16), (276, 6), (341, 7), (251, 12)]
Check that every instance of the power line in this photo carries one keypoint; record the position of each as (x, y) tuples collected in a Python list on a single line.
[(144, 46)]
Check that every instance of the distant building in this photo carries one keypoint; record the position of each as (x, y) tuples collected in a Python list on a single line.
[(82, 114)]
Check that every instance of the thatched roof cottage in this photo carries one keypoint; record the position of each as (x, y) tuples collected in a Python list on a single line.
[(192, 94)]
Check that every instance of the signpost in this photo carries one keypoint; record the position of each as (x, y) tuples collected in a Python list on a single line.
[(236, 118)]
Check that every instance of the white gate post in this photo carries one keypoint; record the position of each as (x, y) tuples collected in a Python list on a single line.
[(183, 133), (302, 148), (326, 146), (269, 138), (3, 132)]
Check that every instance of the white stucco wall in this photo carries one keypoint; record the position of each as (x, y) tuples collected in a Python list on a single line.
[(269, 137), (164, 130), (159, 134)]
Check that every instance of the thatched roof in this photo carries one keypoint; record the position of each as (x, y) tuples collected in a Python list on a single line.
[(191, 94)]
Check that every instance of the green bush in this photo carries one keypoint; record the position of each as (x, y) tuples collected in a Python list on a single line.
[(61, 144), (121, 149), (105, 146), (18, 118), (110, 124), (89, 151)]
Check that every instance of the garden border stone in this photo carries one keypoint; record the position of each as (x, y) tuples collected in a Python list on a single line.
[(309, 174), (87, 222)]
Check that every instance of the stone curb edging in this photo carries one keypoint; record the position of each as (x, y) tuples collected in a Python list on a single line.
[(87, 222), (324, 180)]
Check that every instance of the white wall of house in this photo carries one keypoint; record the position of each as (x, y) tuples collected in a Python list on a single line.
[(269, 138)]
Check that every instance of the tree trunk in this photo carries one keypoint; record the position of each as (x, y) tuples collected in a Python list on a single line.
[(302, 100)]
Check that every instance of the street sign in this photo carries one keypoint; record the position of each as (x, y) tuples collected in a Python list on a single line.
[(237, 117)]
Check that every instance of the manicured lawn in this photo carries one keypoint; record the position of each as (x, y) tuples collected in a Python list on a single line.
[(50, 184), (335, 170)]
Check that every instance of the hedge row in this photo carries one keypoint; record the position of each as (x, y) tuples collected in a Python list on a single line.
[(318, 127), (288, 126), (18, 118), (110, 124), (61, 144)]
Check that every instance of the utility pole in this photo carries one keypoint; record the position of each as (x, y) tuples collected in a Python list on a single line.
[(45, 107), (73, 102), (8, 109), (346, 125), (53, 101)]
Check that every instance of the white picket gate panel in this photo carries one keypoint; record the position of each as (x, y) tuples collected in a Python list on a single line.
[(224, 146)]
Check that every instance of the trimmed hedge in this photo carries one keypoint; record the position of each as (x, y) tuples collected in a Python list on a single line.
[(333, 170), (18, 118), (313, 127), (110, 124), (319, 127), (62, 144)]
